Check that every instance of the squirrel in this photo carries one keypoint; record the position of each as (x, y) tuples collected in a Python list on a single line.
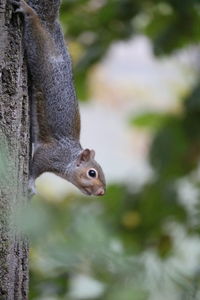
[(58, 149)]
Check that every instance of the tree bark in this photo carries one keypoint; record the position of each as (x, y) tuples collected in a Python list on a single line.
[(14, 155)]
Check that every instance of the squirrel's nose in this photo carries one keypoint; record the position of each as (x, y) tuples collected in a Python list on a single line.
[(100, 192)]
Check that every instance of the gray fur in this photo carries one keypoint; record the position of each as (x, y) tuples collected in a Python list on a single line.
[(51, 73)]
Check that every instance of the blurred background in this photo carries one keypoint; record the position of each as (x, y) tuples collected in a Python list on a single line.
[(136, 71)]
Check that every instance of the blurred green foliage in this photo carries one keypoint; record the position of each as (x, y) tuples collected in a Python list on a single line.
[(112, 239), (171, 25)]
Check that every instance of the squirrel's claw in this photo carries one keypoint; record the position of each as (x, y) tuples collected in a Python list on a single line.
[(19, 10), (17, 4)]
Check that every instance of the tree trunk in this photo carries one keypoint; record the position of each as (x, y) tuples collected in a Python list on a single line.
[(14, 155)]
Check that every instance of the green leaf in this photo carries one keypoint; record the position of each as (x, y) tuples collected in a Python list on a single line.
[(151, 120)]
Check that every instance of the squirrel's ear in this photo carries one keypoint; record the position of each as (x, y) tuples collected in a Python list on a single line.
[(92, 154), (84, 156)]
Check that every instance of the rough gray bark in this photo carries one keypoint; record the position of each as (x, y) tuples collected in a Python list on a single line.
[(14, 155)]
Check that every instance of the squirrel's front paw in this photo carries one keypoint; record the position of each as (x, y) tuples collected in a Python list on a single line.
[(31, 187), (17, 4), (22, 7)]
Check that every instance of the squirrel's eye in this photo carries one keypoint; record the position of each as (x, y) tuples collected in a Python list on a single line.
[(92, 173)]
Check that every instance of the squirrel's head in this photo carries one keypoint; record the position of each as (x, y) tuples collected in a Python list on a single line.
[(88, 175)]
